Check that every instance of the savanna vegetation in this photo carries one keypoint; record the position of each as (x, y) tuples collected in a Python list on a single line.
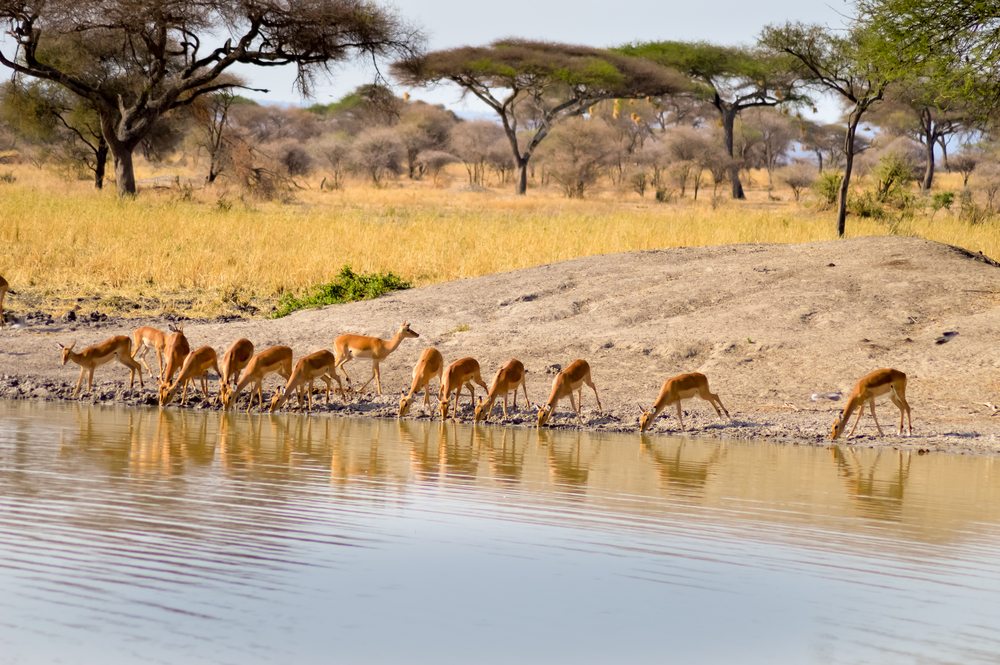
[(226, 206)]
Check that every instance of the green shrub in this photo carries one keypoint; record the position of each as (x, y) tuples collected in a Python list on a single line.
[(866, 204), (892, 175), (827, 187), (349, 286)]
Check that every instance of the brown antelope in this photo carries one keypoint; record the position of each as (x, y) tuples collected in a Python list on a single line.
[(196, 366), (508, 378), (145, 339), (431, 364), (318, 365), (462, 372), (350, 346), (118, 347), (677, 388), (4, 288), (233, 362), (570, 379), (274, 359), (176, 350), (879, 382)]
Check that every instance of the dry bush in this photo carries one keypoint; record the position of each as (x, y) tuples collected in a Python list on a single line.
[(799, 175), (378, 153), (576, 153), (472, 142)]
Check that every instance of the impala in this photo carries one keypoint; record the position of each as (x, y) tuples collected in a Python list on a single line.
[(879, 382), (176, 350), (570, 379), (677, 388), (429, 365), (350, 346), (462, 372), (196, 366), (318, 365), (274, 359), (145, 339), (4, 288), (118, 347), (233, 362), (508, 378)]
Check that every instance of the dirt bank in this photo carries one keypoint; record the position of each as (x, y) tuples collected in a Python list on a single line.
[(771, 325)]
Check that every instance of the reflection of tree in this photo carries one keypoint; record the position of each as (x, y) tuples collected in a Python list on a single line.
[(680, 469), (506, 458), (877, 492)]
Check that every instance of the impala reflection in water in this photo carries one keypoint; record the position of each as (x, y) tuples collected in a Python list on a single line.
[(131, 535)]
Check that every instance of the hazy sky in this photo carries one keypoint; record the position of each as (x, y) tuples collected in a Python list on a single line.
[(449, 23)]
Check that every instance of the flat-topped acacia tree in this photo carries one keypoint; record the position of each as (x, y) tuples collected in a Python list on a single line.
[(134, 61), (732, 79), (533, 85)]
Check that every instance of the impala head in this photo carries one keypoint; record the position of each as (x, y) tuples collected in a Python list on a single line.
[(404, 406), (645, 419), (66, 350), (164, 393), (443, 408), (480, 410), (837, 429), (405, 331), (276, 402), (224, 389), (544, 413)]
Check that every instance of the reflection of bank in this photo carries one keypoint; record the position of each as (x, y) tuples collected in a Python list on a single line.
[(683, 468), (876, 486)]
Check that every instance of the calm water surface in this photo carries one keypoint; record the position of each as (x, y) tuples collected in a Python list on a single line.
[(140, 536)]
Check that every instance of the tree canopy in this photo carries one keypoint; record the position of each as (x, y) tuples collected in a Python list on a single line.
[(731, 78), (136, 60), (532, 85)]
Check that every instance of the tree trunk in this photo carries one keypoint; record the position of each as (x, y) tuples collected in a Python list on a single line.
[(100, 163), (522, 176), (728, 126), (929, 169), (819, 158), (124, 169), (852, 127), (944, 151)]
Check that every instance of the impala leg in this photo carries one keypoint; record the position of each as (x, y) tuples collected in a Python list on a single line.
[(90, 380), (871, 404), (505, 404), (524, 387), (680, 415), (858, 420), (458, 393), (590, 383), (79, 382)]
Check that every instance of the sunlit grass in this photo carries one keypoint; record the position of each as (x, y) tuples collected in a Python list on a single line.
[(160, 252)]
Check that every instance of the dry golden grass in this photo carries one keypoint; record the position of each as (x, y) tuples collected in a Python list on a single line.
[(66, 244)]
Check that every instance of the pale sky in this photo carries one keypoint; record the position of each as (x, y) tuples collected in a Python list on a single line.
[(450, 23)]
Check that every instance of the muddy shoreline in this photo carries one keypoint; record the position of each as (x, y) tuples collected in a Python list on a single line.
[(771, 325)]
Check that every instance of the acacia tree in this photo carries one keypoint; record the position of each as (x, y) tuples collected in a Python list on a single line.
[(534, 85), (732, 79), (841, 64), (135, 61)]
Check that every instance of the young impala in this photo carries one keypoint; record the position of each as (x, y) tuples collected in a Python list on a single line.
[(430, 365), (350, 346), (274, 359), (675, 389), (318, 365), (176, 350), (508, 378), (118, 347), (145, 339), (196, 366), (879, 382), (461, 373), (233, 362), (4, 288), (570, 379)]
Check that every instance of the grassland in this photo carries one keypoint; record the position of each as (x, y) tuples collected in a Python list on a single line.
[(209, 252)]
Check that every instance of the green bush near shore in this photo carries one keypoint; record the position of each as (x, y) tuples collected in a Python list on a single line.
[(349, 286)]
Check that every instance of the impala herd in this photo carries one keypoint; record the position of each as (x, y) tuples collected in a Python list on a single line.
[(244, 367)]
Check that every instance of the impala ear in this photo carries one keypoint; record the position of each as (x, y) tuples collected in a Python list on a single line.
[(641, 410)]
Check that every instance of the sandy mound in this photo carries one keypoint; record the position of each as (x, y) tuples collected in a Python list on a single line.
[(771, 325)]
